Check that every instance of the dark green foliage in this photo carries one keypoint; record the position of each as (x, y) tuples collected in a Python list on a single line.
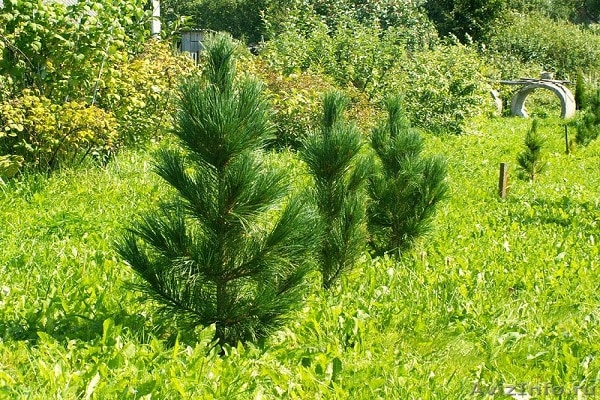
[(340, 172), (241, 18), (588, 126), (580, 91), (223, 252), (530, 160), (407, 187), (466, 19)]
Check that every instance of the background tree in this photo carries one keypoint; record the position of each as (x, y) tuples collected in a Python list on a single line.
[(464, 18), (243, 19), (334, 159), (225, 251), (406, 187)]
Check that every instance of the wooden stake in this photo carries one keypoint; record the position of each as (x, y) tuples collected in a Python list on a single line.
[(567, 139), (503, 181)]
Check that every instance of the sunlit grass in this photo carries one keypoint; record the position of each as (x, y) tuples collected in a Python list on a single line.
[(503, 291)]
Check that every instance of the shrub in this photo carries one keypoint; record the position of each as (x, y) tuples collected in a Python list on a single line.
[(406, 187), (339, 172), (142, 91), (48, 135), (466, 19), (296, 100), (64, 52), (231, 249), (407, 16), (443, 87), (557, 46), (353, 55)]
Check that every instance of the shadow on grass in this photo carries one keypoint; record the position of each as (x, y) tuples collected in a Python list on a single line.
[(70, 327), (563, 212)]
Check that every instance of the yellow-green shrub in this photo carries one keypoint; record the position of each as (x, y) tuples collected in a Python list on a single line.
[(141, 92), (48, 135)]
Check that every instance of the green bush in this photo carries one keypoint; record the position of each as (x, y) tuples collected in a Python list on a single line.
[(443, 87), (142, 91), (48, 135), (66, 52), (353, 55), (557, 46), (468, 20)]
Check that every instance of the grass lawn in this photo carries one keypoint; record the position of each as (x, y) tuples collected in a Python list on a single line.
[(503, 292)]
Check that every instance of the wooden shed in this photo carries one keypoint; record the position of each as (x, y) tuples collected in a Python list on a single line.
[(191, 42)]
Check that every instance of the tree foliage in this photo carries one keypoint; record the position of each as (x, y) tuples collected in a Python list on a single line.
[(81, 80), (232, 248), (466, 19)]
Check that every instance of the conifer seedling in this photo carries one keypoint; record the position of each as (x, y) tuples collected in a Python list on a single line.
[(530, 160), (406, 186)]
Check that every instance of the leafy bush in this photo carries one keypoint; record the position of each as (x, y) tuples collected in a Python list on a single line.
[(406, 187), (232, 248), (48, 135), (557, 46), (353, 55), (296, 100), (141, 92), (283, 16), (340, 172), (65, 52), (443, 87), (72, 66)]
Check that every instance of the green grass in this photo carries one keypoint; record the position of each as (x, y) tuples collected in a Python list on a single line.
[(501, 292)]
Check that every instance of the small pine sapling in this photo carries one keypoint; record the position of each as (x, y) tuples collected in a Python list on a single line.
[(580, 100), (333, 156), (588, 126), (406, 187), (530, 160), (231, 249)]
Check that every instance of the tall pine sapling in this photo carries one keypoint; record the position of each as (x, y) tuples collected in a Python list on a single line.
[(530, 160), (333, 156), (231, 248), (406, 187)]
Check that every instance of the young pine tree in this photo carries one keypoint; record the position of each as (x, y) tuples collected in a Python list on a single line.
[(231, 248), (580, 100), (340, 172), (588, 126), (530, 160), (406, 188)]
